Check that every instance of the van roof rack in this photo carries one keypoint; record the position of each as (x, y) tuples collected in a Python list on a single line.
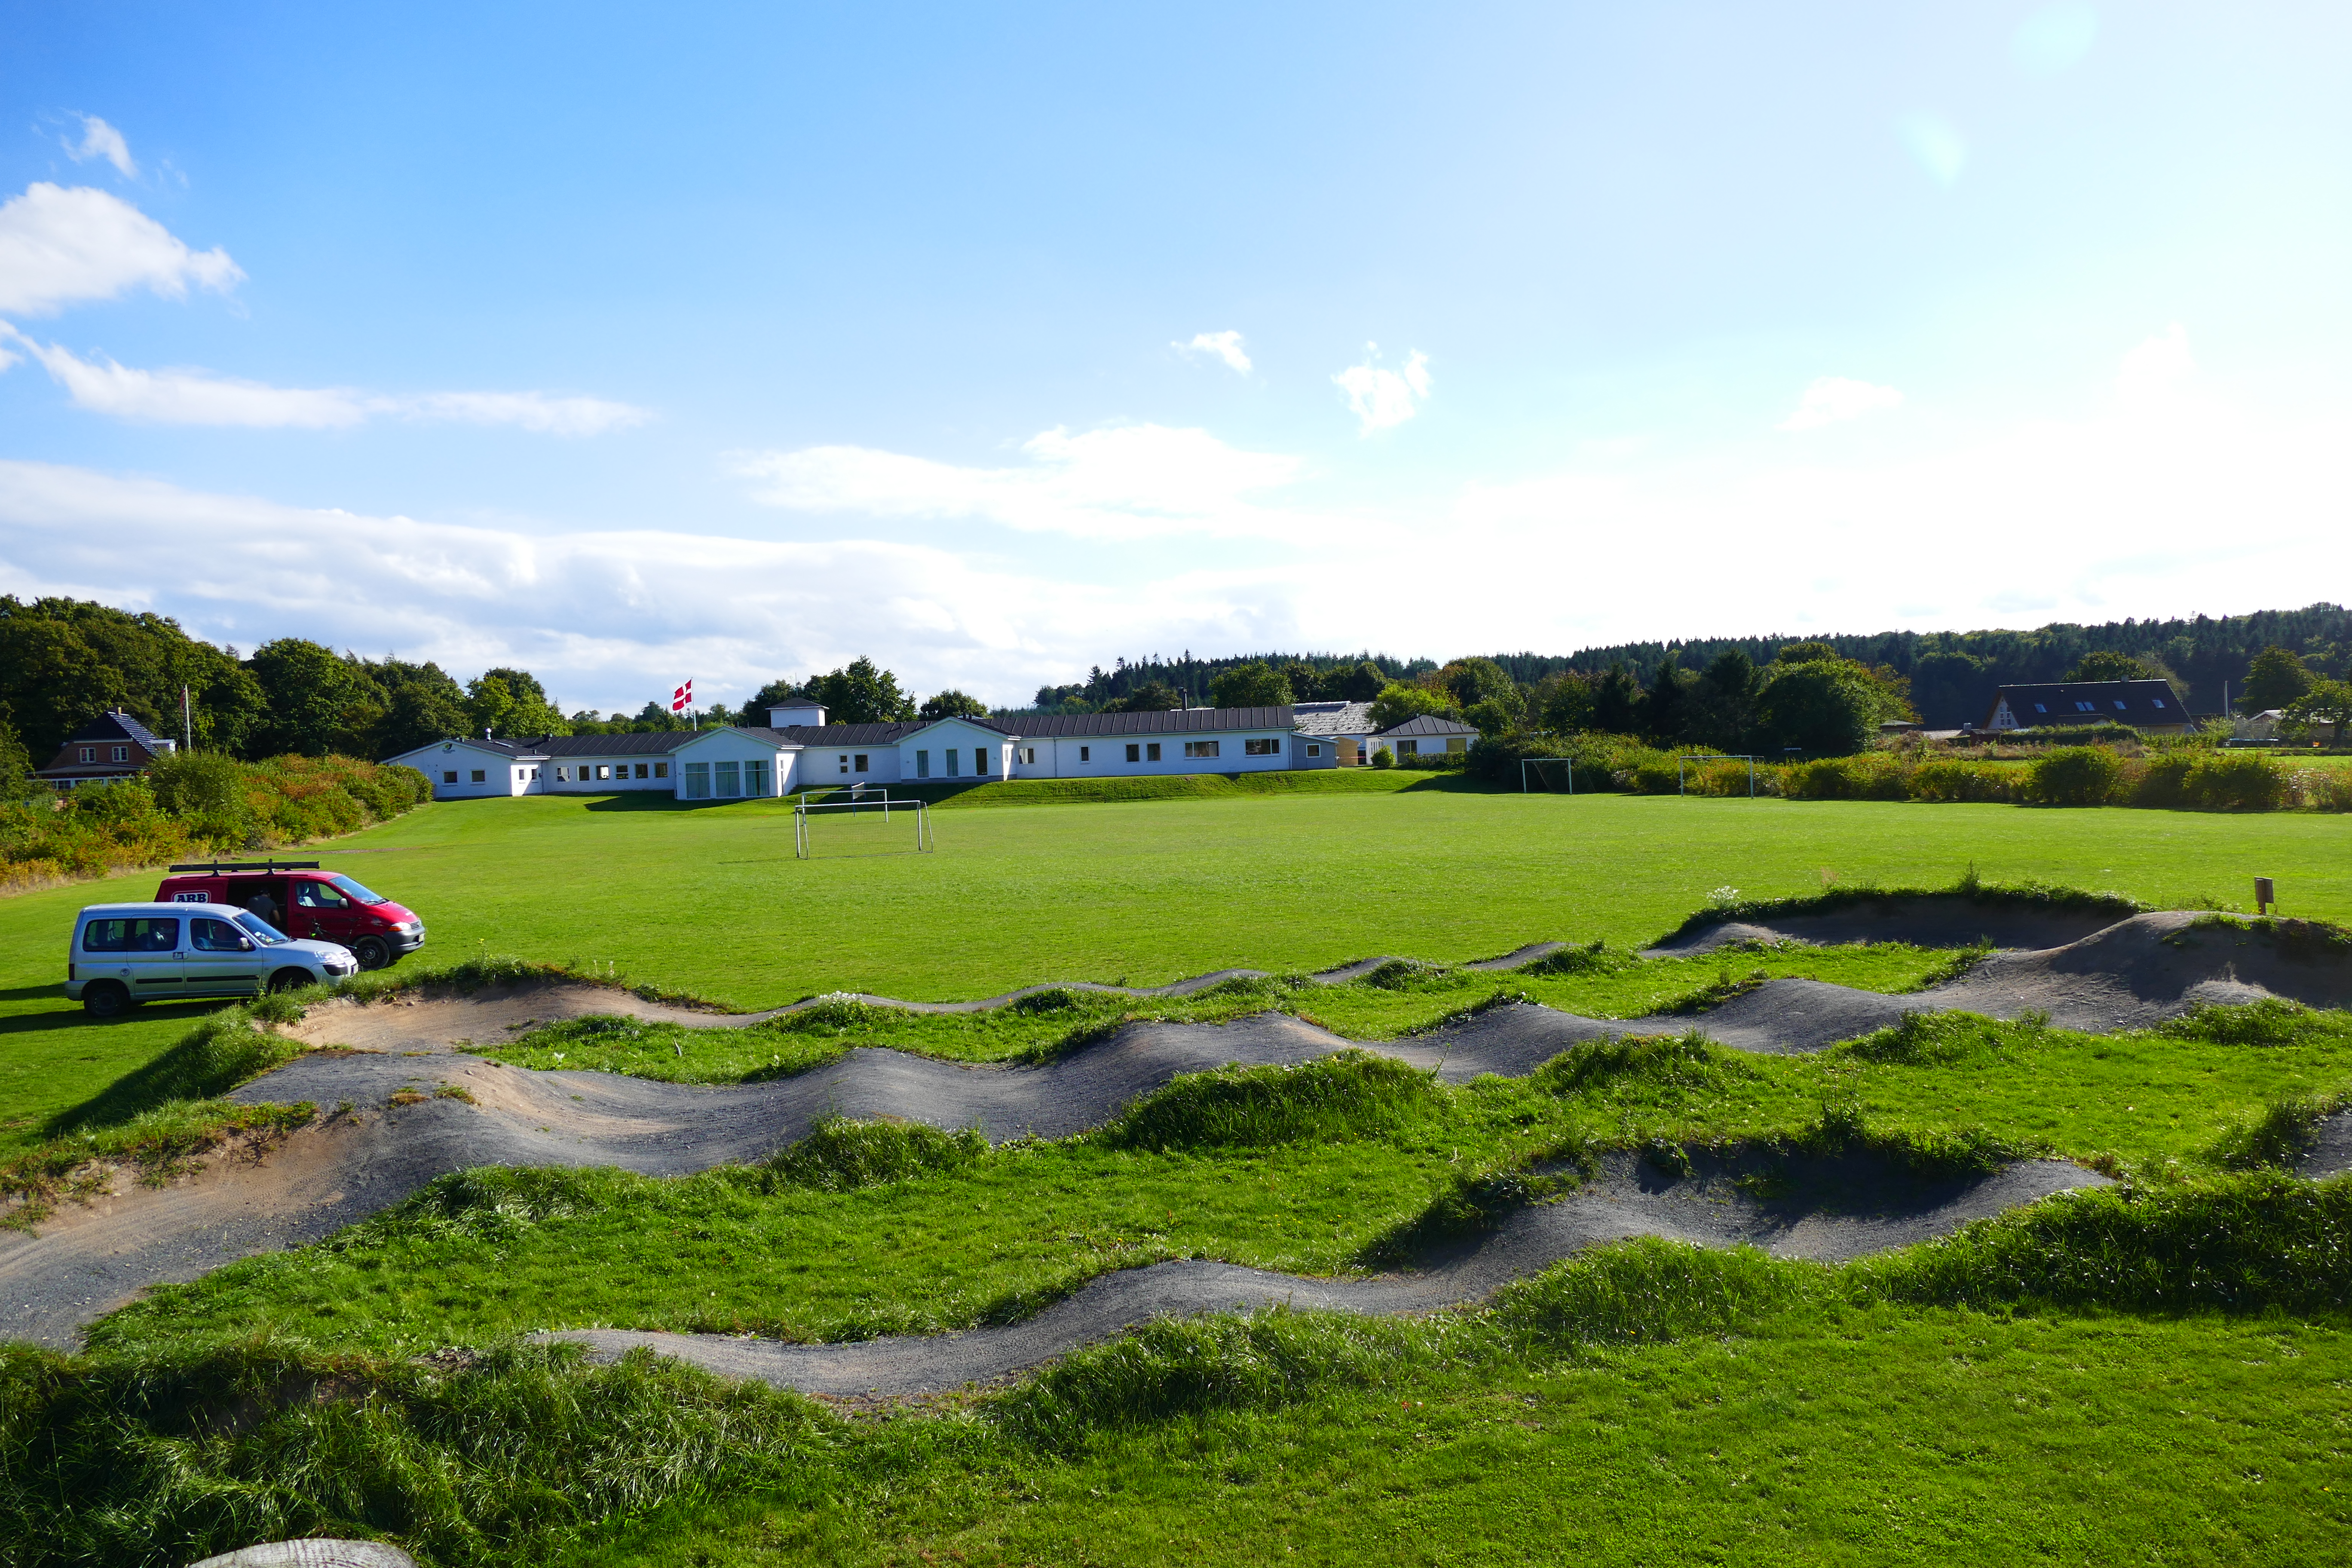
[(218, 868)]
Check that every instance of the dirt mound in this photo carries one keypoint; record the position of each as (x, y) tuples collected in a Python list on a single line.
[(1835, 1211), (1942, 919), (439, 1018), (2144, 969)]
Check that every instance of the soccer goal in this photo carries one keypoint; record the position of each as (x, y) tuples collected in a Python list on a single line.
[(1684, 763), (860, 824), (1557, 775)]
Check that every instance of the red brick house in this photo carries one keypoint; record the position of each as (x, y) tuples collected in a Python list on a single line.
[(110, 746)]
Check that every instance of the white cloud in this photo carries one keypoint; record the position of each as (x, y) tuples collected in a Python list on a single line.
[(2123, 513), (1382, 399), (99, 139), (60, 246), (606, 619), (1937, 143), (1833, 398), (1226, 346), (2054, 39), (2157, 367), (197, 397), (1126, 481)]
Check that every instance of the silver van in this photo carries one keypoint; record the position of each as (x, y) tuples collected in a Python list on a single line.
[(123, 954)]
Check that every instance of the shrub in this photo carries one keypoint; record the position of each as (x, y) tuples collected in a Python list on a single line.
[(2073, 775), (1846, 778), (1957, 782), (2322, 789), (1383, 758), (2235, 781)]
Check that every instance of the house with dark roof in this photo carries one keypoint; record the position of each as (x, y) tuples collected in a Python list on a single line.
[(2149, 705), (796, 750), (110, 746), (1427, 733)]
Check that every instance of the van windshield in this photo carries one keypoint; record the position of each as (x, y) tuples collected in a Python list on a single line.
[(358, 894), (262, 931)]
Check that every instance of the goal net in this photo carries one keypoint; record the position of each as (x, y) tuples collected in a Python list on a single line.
[(1548, 775), (850, 825)]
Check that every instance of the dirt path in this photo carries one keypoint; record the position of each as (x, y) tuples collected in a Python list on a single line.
[(389, 1143), (1838, 1210)]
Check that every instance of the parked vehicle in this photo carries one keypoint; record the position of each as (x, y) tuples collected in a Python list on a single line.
[(123, 954), (304, 902)]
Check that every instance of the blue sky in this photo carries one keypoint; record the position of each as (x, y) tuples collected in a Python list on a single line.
[(729, 342)]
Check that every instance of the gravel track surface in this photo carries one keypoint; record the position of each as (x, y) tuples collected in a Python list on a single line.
[(371, 1150), (1838, 1210)]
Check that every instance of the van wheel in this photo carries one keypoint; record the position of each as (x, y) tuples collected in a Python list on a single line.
[(373, 952), (288, 980), (105, 999)]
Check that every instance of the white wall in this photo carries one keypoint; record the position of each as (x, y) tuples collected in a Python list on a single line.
[(604, 775), (1424, 746), (711, 761), (923, 756), (1104, 756), (826, 765), (501, 775)]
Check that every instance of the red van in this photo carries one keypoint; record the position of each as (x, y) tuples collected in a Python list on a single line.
[(303, 900)]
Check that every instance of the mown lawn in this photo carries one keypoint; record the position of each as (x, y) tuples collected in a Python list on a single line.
[(711, 900)]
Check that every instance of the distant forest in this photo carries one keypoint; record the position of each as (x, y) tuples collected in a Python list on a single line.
[(1953, 675)]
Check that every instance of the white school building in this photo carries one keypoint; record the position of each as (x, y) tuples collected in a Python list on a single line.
[(797, 750)]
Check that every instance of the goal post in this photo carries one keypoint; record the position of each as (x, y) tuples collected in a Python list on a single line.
[(805, 818), (1567, 771), (1682, 762)]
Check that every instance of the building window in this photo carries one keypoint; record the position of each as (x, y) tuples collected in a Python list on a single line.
[(980, 761), (480, 775), (604, 770), (2119, 707), (1028, 754), (89, 753), (2158, 701), (641, 770), (2039, 709), (1135, 754), (123, 753), (755, 779), (730, 787), (1314, 750), (1085, 753), (1407, 748), (1151, 751), (952, 755), (1201, 748), (1266, 747), (449, 775), (922, 764), (697, 781), (860, 762), (661, 770), (1457, 742), (844, 761)]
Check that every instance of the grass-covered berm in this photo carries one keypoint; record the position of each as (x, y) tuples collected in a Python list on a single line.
[(2150, 1369), (708, 898), (2153, 1373)]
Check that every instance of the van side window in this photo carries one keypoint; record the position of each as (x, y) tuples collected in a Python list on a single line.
[(141, 935), (214, 936)]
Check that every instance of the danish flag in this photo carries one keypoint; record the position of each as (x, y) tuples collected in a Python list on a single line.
[(682, 698)]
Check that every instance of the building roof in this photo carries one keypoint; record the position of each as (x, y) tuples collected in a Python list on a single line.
[(107, 728), (2109, 703), (1430, 724), (889, 734), (638, 743), (1332, 718), (1165, 721)]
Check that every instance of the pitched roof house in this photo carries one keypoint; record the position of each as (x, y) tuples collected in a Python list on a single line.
[(110, 746), (2150, 705)]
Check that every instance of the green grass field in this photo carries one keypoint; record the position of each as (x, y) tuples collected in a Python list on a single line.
[(711, 900), (2157, 1376)]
